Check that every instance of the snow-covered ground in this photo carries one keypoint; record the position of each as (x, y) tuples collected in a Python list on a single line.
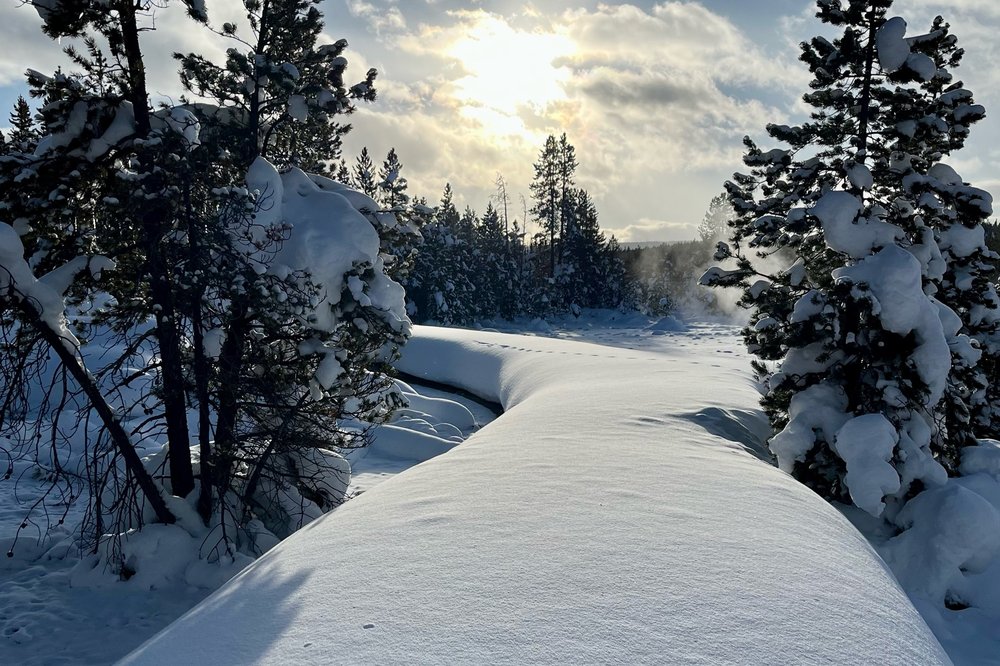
[(618, 511), (623, 508), (55, 610)]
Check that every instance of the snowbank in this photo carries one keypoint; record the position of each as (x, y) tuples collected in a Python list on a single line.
[(598, 520)]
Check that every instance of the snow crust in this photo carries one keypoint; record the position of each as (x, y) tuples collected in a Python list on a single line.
[(656, 536)]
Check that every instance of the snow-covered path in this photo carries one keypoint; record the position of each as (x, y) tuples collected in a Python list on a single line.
[(612, 514)]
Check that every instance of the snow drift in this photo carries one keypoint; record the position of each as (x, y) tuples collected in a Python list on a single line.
[(602, 518)]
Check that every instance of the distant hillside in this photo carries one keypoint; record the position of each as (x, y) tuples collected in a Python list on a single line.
[(636, 245)]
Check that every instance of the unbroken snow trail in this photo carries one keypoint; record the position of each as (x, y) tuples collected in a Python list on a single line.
[(618, 511)]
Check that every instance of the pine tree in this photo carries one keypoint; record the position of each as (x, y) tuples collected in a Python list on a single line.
[(392, 186), (566, 170), (714, 225), (343, 173), (491, 276), (285, 118), (618, 288), (582, 276), (545, 190), (23, 132), (364, 174), (863, 386), (441, 286)]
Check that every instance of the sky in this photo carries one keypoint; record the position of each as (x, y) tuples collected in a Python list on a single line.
[(655, 96)]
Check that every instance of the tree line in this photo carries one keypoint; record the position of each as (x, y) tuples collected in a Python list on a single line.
[(460, 267)]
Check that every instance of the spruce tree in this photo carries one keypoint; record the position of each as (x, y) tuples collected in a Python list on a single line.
[(862, 349)]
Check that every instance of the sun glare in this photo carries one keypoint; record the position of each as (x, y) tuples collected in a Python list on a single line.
[(506, 71)]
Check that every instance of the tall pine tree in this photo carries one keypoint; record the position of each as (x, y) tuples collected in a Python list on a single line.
[(866, 371)]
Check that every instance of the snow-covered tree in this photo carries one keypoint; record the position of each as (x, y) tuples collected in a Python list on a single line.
[(309, 323), (441, 286), (269, 313), (714, 225), (863, 351)]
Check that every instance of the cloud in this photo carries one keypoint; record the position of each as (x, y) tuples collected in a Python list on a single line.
[(652, 99), (654, 230), (380, 19)]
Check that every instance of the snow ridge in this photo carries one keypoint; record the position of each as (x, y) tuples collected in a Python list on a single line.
[(648, 539)]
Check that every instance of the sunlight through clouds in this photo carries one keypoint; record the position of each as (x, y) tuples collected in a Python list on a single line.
[(506, 70)]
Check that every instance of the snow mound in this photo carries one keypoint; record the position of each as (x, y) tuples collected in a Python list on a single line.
[(668, 324), (952, 531), (650, 540)]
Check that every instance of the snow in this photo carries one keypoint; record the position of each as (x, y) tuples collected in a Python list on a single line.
[(46, 294), (184, 122), (330, 238), (894, 279), (866, 443), (860, 176), (47, 589), (668, 324), (212, 342), (75, 124), (962, 241), (922, 65), (121, 127), (893, 50), (845, 231), (605, 517), (952, 531), (819, 408), (297, 108), (982, 459)]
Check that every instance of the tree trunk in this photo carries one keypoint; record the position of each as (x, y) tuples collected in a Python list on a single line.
[(230, 369), (154, 225), (201, 370), (119, 437), (866, 88)]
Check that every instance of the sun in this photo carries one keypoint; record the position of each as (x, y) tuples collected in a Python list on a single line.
[(508, 72)]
